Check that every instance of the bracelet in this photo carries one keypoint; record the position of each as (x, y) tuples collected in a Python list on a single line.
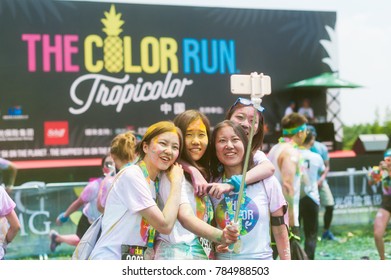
[(62, 218), (235, 181)]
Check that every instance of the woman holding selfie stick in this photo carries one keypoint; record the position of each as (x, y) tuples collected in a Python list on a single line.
[(259, 205)]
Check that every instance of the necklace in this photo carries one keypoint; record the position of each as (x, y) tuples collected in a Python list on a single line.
[(288, 140)]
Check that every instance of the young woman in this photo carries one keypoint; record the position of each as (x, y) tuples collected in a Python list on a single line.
[(260, 206), (9, 222), (122, 151), (131, 216), (383, 214), (192, 235), (242, 112)]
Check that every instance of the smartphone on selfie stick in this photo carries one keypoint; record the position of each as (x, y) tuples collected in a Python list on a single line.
[(256, 85)]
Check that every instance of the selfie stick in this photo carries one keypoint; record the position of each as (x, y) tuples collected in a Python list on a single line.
[(256, 99)]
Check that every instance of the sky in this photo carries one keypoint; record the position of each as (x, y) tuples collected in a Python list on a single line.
[(364, 48)]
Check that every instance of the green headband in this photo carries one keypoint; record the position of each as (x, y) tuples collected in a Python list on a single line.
[(293, 131)]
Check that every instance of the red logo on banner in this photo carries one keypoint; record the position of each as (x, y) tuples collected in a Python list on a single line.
[(56, 133)]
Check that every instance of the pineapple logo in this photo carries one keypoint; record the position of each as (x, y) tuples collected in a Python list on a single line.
[(112, 45)]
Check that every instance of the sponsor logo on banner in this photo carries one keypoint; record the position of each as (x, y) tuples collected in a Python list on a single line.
[(56, 133)]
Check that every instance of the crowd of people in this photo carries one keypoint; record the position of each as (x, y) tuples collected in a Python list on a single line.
[(185, 191)]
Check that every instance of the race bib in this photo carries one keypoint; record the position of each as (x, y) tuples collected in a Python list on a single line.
[(132, 252), (207, 246)]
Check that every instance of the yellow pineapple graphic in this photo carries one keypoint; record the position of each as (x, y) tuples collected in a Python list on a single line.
[(113, 46)]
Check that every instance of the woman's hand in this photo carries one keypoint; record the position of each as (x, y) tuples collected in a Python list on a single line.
[(175, 173), (218, 189), (200, 185), (230, 235)]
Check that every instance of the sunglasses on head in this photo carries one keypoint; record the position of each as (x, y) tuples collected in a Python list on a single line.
[(109, 164), (246, 102)]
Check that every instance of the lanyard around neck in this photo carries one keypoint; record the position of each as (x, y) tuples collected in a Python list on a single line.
[(151, 230), (143, 167), (229, 201)]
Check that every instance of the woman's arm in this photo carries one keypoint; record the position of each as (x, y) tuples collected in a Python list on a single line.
[(13, 221), (163, 221), (259, 172), (64, 216), (281, 236), (218, 189), (200, 228), (200, 185)]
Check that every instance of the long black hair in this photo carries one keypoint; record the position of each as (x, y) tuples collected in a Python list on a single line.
[(217, 169)]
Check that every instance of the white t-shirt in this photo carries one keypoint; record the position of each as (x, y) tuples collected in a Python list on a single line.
[(89, 196), (203, 211), (105, 187), (307, 112), (131, 193), (178, 234), (288, 111), (314, 166), (259, 157), (6, 207), (255, 232)]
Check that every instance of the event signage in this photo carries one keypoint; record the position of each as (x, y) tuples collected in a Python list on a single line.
[(75, 74)]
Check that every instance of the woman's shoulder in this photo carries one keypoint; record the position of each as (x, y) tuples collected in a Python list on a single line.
[(131, 170)]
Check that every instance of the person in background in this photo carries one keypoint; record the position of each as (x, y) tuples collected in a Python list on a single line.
[(326, 196), (382, 174), (262, 208), (9, 222), (286, 158), (87, 200), (132, 217), (291, 108), (309, 201), (122, 151), (7, 170), (307, 110)]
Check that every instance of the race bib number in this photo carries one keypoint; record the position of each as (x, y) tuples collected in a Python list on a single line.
[(132, 252), (207, 246)]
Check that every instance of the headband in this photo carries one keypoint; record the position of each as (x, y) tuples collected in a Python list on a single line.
[(294, 130)]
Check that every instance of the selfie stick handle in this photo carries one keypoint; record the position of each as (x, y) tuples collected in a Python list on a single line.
[(257, 100)]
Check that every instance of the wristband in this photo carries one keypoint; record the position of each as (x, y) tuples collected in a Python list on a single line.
[(62, 218), (235, 181)]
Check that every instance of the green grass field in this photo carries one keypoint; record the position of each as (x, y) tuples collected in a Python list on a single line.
[(355, 242)]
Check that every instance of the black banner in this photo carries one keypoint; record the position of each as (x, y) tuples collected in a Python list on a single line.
[(75, 74)]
